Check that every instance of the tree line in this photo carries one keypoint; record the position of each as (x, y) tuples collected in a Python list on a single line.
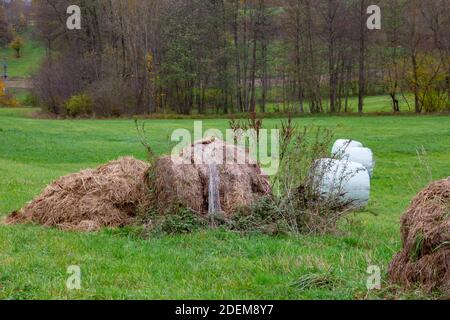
[(13, 20), (232, 56)]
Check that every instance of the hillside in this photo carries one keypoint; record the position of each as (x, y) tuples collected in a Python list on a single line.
[(32, 55)]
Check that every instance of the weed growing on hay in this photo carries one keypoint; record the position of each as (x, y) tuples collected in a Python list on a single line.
[(142, 134), (263, 217), (179, 220), (297, 199), (297, 206)]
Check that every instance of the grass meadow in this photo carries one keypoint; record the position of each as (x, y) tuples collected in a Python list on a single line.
[(209, 264)]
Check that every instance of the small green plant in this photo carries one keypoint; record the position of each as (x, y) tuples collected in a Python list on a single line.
[(309, 281), (31, 100), (418, 245), (78, 105), (143, 138), (179, 220), (263, 217)]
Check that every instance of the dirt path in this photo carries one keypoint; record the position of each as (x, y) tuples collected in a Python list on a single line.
[(18, 83)]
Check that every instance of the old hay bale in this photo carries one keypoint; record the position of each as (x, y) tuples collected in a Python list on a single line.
[(185, 179), (425, 227), (113, 194), (174, 183), (108, 196)]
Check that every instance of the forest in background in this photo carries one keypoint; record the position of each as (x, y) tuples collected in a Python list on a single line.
[(234, 56)]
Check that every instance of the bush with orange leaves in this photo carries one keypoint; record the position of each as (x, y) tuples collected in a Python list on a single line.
[(6, 99)]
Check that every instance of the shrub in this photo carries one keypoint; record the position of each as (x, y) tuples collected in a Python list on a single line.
[(296, 206), (299, 200), (6, 98), (31, 100), (9, 101), (112, 97), (57, 80), (263, 217), (435, 100), (431, 81), (179, 220), (17, 44), (79, 105)]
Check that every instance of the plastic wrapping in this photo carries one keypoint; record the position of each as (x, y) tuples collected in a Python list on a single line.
[(362, 156), (341, 145), (347, 180)]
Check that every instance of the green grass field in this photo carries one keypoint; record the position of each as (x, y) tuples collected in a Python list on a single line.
[(372, 104), (204, 265)]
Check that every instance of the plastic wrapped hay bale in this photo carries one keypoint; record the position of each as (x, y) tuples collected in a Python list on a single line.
[(363, 156), (347, 181), (341, 145)]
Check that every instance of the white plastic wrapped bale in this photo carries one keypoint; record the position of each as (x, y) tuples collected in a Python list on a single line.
[(341, 145), (363, 156), (346, 180)]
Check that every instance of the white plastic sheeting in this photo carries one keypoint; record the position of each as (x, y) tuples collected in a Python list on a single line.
[(362, 156), (341, 145), (347, 180)]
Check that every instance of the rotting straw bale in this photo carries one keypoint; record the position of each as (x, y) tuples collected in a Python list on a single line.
[(425, 227), (242, 183), (114, 194), (108, 196)]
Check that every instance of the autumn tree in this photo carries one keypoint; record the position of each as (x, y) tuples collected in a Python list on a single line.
[(17, 45)]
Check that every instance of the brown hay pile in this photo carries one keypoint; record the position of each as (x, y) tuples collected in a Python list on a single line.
[(241, 184), (176, 184), (425, 227), (112, 194), (108, 196)]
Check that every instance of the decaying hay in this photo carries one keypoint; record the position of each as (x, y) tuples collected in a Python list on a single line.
[(113, 194), (173, 184), (425, 258), (108, 196), (184, 180)]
